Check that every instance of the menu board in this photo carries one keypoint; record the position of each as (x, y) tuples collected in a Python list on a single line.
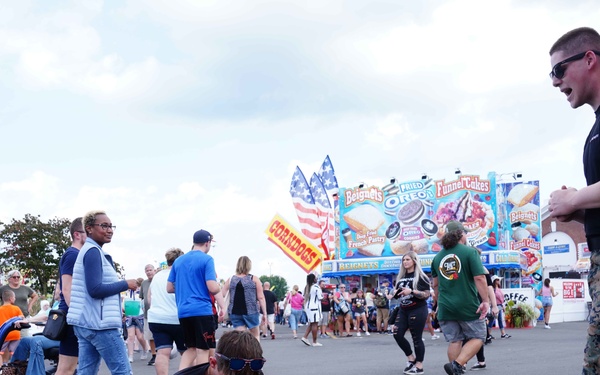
[(412, 216), (519, 227)]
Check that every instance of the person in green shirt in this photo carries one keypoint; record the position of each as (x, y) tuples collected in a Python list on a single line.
[(459, 284)]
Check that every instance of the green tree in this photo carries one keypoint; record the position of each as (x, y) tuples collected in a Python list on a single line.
[(279, 285), (34, 247)]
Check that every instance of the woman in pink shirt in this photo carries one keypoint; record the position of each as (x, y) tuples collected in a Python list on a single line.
[(500, 302), (296, 301), (547, 293)]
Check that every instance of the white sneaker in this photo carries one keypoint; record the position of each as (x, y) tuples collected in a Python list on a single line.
[(547, 326), (367, 333), (144, 354), (317, 344), (130, 359), (435, 337), (358, 334)]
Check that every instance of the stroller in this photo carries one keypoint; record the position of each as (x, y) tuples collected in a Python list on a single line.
[(11, 368)]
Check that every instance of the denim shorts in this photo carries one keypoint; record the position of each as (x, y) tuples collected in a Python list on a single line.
[(455, 330), (166, 334), (250, 320), (135, 321), (546, 301)]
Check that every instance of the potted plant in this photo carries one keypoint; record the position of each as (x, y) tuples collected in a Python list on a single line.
[(518, 314)]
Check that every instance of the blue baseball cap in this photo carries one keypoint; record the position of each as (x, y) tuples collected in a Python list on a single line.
[(202, 236)]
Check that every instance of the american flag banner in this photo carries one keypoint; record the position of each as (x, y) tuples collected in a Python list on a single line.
[(304, 203), (323, 209), (327, 175)]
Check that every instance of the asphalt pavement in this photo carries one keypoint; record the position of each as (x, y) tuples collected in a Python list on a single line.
[(529, 351)]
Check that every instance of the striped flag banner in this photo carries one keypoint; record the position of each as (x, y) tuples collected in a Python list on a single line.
[(323, 209), (327, 176), (304, 203)]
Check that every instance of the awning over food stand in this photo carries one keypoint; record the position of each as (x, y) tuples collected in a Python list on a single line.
[(390, 265)]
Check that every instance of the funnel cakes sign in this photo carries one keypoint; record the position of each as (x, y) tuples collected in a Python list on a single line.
[(411, 216)]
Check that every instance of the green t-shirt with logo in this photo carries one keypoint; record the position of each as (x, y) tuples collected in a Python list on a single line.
[(455, 268)]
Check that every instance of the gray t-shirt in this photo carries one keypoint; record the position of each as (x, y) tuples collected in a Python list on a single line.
[(144, 288), (22, 294)]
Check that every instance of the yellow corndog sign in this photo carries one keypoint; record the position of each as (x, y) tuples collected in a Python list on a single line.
[(293, 243)]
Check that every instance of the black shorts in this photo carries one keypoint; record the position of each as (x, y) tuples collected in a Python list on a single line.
[(199, 332), (166, 334), (69, 345)]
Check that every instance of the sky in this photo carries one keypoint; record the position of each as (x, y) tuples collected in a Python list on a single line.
[(178, 115)]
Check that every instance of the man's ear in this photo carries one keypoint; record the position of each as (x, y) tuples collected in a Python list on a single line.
[(212, 361)]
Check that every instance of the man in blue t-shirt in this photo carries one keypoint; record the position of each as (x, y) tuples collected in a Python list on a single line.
[(69, 347), (193, 280)]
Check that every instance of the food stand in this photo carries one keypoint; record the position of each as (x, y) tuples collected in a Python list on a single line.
[(378, 225)]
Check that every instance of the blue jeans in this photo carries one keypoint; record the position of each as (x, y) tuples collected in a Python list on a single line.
[(107, 344), (295, 318), (32, 349)]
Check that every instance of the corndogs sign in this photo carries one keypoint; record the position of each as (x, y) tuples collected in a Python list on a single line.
[(293, 243)]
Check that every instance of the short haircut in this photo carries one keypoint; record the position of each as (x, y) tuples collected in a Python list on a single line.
[(172, 254), (7, 294), (89, 218), (244, 265), (577, 40), (11, 273), (76, 226), (237, 344)]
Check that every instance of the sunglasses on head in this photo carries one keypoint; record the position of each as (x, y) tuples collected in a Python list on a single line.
[(559, 70), (238, 364)]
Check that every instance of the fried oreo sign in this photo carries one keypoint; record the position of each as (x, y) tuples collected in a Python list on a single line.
[(293, 243)]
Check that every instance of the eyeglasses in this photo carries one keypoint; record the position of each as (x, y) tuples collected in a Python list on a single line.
[(238, 364), (559, 71), (106, 226), (15, 277)]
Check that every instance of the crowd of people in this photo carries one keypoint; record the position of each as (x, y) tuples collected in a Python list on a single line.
[(174, 310), (178, 309)]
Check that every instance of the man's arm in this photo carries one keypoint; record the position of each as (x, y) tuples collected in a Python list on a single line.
[(170, 287), (221, 303), (570, 203), (212, 285), (435, 289), (481, 285), (67, 283)]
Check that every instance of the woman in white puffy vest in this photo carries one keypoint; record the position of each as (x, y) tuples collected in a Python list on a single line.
[(95, 311)]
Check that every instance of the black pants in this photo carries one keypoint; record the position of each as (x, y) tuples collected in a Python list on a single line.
[(413, 320)]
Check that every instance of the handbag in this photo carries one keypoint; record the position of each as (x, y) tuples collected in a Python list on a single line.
[(56, 325)]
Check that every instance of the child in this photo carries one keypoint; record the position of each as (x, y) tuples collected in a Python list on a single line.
[(9, 310)]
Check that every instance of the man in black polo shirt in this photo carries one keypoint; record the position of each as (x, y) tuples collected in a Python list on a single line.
[(575, 60)]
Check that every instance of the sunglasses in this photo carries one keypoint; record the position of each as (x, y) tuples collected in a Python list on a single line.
[(238, 364), (558, 70)]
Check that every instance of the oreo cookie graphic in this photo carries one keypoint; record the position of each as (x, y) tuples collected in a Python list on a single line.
[(393, 230), (429, 227), (411, 212), (391, 204)]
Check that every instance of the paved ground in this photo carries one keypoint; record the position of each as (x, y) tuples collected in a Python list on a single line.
[(529, 351)]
